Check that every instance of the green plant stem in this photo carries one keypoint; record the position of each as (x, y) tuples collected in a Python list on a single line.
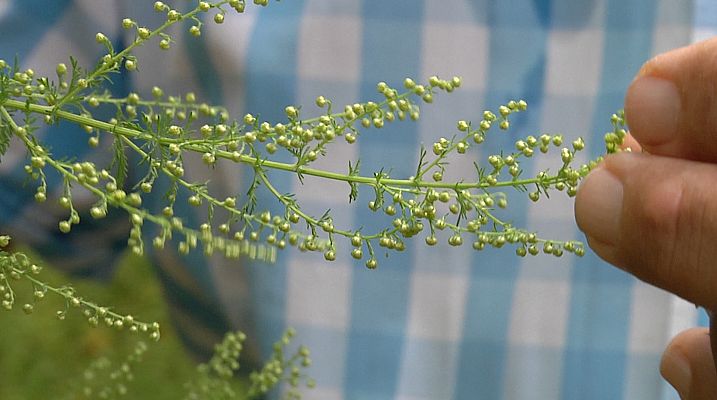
[(63, 170), (68, 294), (215, 202), (104, 98), (309, 219), (247, 159)]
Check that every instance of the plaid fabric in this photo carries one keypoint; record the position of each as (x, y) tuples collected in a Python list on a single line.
[(430, 323)]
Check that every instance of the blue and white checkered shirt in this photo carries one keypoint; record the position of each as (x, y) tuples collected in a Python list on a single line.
[(429, 323)]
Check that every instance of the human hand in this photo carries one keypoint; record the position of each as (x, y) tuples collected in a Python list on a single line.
[(654, 213)]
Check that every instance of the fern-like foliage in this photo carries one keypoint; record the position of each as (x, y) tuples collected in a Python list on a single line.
[(163, 131)]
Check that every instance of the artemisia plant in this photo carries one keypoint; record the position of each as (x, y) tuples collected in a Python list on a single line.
[(160, 130)]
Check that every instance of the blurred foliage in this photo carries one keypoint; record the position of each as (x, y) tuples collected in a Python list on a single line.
[(44, 358)]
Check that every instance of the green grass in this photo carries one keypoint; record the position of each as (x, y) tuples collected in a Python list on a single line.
[(44, 358)]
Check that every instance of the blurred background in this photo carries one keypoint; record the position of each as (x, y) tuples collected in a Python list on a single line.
[(42, 357)]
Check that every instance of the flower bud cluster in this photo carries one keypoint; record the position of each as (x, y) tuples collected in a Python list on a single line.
[(282, 367), (163, 129), (18, 266), (173, 16), (214, 380), (104, 380), (615, 139), (214, 377), (473, 205)]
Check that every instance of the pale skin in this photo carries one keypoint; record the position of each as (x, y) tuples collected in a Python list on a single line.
[(653, 212)]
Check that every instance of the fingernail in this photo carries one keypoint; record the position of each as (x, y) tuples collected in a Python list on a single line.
[(598, 206), (676, 370), (652, 106)]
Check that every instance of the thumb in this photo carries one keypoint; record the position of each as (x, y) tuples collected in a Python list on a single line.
[(655, 217), (670, 104), (688, 366)]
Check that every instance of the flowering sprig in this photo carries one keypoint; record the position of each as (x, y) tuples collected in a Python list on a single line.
[(16, 266), (105, 380), (214, 377), (165, 144), (163, 130)]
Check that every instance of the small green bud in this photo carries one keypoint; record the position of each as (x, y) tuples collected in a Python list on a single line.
[(330, 255), (65, 226), (173, 15), (578, 144), (566, 155), (97, 212), (357, 253), (291, 112), (463, 126), (174, 130), (143, 32), (321, 101), (194, 200), (455, 240)]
